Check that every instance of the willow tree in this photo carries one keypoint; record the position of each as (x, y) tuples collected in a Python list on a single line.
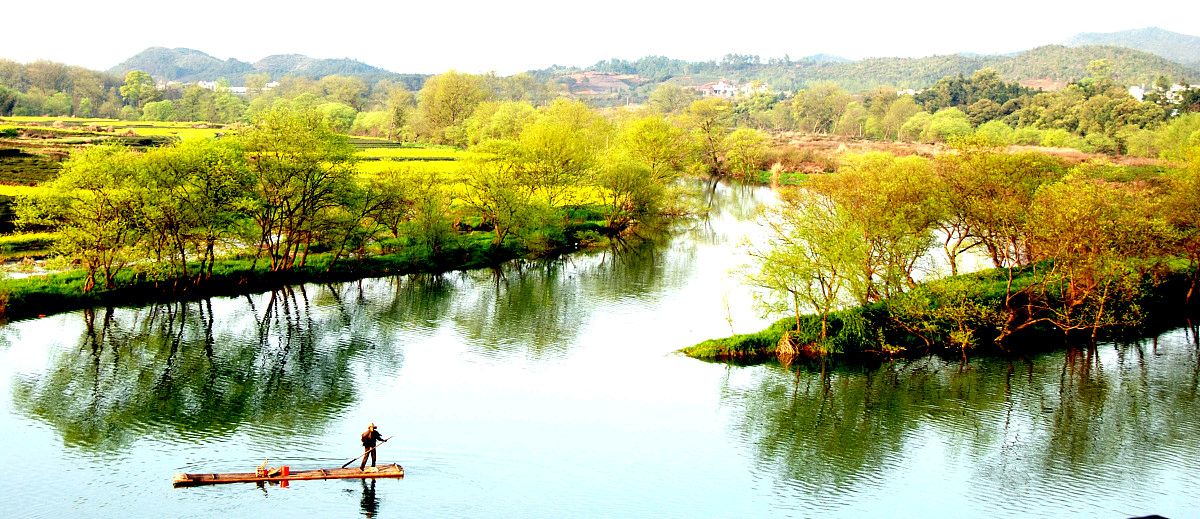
[(985, 196), (1095, 242), (887, 199), (494, 192), (745, 149), (94, 206), (195, 196), (661, 147), (816, 249), (302, 174), (708, 120)]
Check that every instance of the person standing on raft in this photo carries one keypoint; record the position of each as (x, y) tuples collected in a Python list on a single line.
[(368, 440)]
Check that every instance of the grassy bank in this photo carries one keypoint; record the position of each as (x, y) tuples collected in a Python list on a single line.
[(911, 325), (61, 292)]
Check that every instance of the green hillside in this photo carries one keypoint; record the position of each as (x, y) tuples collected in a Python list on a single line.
[(188, 65), (1181, 48)]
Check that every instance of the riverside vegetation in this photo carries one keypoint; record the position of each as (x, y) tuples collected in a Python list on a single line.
[(1079, 251), (285, 197)]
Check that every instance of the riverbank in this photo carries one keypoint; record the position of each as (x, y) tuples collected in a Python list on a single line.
[(980, 317), (38, 296)]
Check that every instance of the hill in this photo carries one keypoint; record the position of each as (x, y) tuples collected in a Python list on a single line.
[(300, 65), (1047, 65), (1180, 48), (188, 65), (1064, 63), (182, 64)]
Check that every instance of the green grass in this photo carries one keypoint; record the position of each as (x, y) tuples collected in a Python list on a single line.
[(870, 332), (786, 178), (63, 291)]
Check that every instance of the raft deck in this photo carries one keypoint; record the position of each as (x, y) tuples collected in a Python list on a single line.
[(390, 470)]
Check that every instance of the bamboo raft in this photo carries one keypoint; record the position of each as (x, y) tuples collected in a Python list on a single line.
[(390, 470)]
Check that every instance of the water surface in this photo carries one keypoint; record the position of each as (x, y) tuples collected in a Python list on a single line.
[(553, 390)]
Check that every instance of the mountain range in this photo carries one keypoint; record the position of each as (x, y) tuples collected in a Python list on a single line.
[(1180, 48), (187, 65), (1136, 56)]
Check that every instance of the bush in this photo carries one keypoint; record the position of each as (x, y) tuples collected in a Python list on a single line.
[(1060, 138), (1100, 143), (995, 133), (1139, 142), (1028, 136), (946, 124)]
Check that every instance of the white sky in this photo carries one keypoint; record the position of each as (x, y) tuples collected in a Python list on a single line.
[(433, 36)]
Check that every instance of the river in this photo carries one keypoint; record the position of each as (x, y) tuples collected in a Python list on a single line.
[(554, 390)]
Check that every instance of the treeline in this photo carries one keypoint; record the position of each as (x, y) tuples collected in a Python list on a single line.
[(1050, 62), (1080, 251), (48, 88), (1092, 115), (287, 186)]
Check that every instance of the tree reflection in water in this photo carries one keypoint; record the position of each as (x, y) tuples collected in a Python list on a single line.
[(1066, 418), (191, 370)]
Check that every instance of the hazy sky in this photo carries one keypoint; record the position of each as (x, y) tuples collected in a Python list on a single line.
[(509, 36)]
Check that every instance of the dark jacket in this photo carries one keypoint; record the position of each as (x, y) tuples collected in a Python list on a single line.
[(370, 437)]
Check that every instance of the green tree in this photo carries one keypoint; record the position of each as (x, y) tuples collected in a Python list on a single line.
[(915, 126), (853, 122), (58, 104), (1182, 211), (1098, 239), (815, 251), (93, 207), (946, 124), (670, 99), (898, 113), (8, 99), (227, 106), (708, 119), (446, 101), (85, 108), (340, 117), (887, 199), (401, 106), (819, 108), (302, 172), (558, 152), (499, 120), (138, 89), (995, 133), (661, 147), (256, 84), (347, 90), (745, 149), (628, 191), (194, 197), (986, 196), (372, 124), (159, 111), (494, 192)]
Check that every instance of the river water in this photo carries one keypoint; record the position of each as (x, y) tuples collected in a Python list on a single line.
[(553, 390)]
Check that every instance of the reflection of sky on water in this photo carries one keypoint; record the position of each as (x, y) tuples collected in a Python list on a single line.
[(552, 390)]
